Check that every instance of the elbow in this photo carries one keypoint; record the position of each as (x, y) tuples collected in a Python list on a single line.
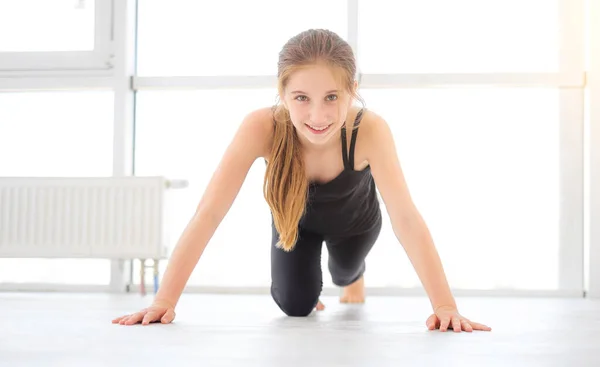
[(206, 216)]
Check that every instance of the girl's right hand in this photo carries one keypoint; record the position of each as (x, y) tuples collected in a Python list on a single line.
[(159, 311)]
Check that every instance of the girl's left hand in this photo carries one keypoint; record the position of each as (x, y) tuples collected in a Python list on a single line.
[(445, 317)]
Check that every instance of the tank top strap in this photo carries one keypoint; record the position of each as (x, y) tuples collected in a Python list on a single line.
[(345, 149), (349, 157), (359, 116)]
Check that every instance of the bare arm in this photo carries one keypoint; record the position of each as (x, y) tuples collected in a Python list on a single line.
[(407, 223), (411, 230), (250, 142)]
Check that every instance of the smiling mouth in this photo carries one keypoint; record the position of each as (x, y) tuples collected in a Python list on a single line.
[(318, 129)]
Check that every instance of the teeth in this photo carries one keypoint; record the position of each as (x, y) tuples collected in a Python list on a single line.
[(318, 129)]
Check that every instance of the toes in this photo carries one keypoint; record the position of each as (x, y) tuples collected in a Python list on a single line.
[(320, 306)]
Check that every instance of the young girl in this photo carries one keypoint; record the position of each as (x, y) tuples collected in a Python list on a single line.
[(321, 184)]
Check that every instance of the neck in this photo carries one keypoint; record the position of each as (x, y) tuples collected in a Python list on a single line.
[(332, 143)]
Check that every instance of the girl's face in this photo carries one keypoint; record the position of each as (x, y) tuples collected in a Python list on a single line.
[(317, 107)]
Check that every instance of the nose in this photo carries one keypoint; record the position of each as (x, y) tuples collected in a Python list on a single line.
[(318, 114)]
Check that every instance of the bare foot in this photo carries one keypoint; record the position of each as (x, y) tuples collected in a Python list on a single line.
[(355, 292), (320, 306)]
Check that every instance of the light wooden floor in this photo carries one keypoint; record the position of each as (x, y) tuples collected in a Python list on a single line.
[(54, 329)]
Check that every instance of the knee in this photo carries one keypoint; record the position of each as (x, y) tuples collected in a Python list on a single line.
[(343, 275), (299, 303)]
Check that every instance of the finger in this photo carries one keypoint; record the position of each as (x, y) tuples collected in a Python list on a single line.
[(431, 322), (124, 319), (135, 318), (118, 319), (466, 326), (168, 316), (149, 317), (456, 324), (444, 323), (478, 326)]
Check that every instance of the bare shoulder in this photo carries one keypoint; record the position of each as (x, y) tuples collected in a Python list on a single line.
[(375, 135), (379, 148), (256, 131), (372, 124), (251, 141)]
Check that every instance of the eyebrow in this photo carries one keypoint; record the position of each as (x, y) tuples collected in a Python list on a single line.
[(301, 92)]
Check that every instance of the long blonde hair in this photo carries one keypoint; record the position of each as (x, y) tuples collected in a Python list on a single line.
[(285, 184)]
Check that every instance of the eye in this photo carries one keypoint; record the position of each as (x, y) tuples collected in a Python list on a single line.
[(301, 100), (332, 97)]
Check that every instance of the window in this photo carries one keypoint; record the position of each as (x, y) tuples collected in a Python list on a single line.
[(56, 134), (490, 144), (459, 36), (46, 26), (482, 166), (187, 37), (183, 134), (484, 189), (56, 34)]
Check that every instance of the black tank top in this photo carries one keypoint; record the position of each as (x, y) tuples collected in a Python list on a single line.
[(348, 204)]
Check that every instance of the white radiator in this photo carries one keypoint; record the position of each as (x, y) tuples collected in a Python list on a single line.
[(106, 217)]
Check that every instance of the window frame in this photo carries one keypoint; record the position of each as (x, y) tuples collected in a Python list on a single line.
[(100, 59)]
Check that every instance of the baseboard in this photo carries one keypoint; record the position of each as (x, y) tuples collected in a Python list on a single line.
[(327, 291)]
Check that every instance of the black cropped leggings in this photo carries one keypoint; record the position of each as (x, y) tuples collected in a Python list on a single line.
[(296, 276)]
